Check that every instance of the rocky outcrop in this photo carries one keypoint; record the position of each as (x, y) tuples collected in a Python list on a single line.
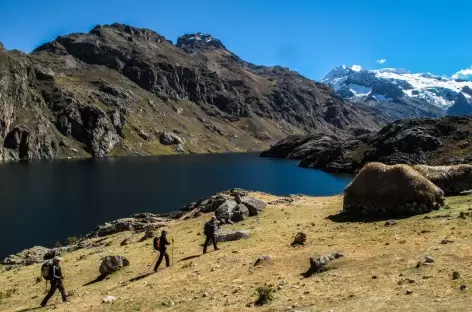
[(139, 223), (38, 254), (112, 264), (230, 206), (416, 141), (231, 235), (168, 138)]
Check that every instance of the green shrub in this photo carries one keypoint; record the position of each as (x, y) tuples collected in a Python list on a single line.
[(58, 245), (266, 294), (72, 240)]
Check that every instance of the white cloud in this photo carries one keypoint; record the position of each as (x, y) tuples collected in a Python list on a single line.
[(381, 61), (463, 74)]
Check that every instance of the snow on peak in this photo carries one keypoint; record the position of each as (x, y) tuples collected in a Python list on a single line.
[(356, 68), (385, 84)]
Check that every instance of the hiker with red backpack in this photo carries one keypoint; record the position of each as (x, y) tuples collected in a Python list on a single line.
[(160, 244), (52, 271)]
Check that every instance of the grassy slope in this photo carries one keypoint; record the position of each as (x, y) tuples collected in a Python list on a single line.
[(349, 286)]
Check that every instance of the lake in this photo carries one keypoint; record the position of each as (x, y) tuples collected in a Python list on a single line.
[(47, 201)]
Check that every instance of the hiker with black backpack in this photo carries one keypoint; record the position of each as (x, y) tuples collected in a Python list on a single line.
[(209, 230), (52, 271), (160, 244)]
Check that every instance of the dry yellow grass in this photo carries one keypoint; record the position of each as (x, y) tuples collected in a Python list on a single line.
[(230, 279)]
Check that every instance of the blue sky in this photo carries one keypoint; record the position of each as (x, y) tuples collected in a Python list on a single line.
[(308, 36)]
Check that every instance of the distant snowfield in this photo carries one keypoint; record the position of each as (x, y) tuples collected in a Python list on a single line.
[(357, 83)]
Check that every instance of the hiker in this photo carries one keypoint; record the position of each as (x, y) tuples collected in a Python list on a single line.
[(160, 244), (56, 281), (210, 228)]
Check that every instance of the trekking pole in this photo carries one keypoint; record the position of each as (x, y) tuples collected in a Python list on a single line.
[(172, 251), (149, 270)]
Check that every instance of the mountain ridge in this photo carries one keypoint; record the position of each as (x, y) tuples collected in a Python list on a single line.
[(418, 94), (121, 90)]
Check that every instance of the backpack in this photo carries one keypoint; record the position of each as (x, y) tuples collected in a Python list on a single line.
[(157, 243), (208, 229), (46, 270)]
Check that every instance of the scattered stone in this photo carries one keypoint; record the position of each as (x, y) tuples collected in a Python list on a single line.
[(429, 259), (112, 264), (82, 257), (406, 281), (464, 287), (419, 264), (124, 242), (109, 299), (319, 264), (263, 259), (205, 294), (299, 240), (374, 277), (446, 241), (147, 235), (456, 275), (409, 292), (390, 223)]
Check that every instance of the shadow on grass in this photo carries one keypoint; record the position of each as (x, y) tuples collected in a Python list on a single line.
[(140, 277), (189, 258), (98, 279), (30, 309), (343, 217)]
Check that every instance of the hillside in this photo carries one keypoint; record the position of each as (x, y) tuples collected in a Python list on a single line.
[(377, 271), (120, 90), (402, 94), (441, 141)]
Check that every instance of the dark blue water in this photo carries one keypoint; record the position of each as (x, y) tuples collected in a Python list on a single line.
[(47, 201)]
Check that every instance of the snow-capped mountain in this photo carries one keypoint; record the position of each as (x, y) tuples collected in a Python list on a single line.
[(401, 93)]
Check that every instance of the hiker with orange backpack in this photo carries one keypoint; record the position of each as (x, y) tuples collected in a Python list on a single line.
[(160, 244)]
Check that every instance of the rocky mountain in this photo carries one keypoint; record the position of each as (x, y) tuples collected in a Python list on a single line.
[(121, 90), (440, 141), (402, 94)]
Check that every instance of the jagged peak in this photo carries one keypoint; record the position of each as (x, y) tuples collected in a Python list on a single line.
[(143, 33), (199, 41)]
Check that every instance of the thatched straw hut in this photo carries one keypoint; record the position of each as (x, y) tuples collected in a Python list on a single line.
[(451, 179), (379, 189)]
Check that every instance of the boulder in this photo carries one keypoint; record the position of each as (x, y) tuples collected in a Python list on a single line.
[(319, 264), (240, 213), (253, 204), (109, 299), (396, 190), (263, 259), (225, 211), (169, 138), (112, 264), (299, 239), (226, 235), (147, 235)]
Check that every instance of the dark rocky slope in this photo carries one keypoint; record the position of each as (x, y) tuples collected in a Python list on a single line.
[(120, 90), (440, 141)]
